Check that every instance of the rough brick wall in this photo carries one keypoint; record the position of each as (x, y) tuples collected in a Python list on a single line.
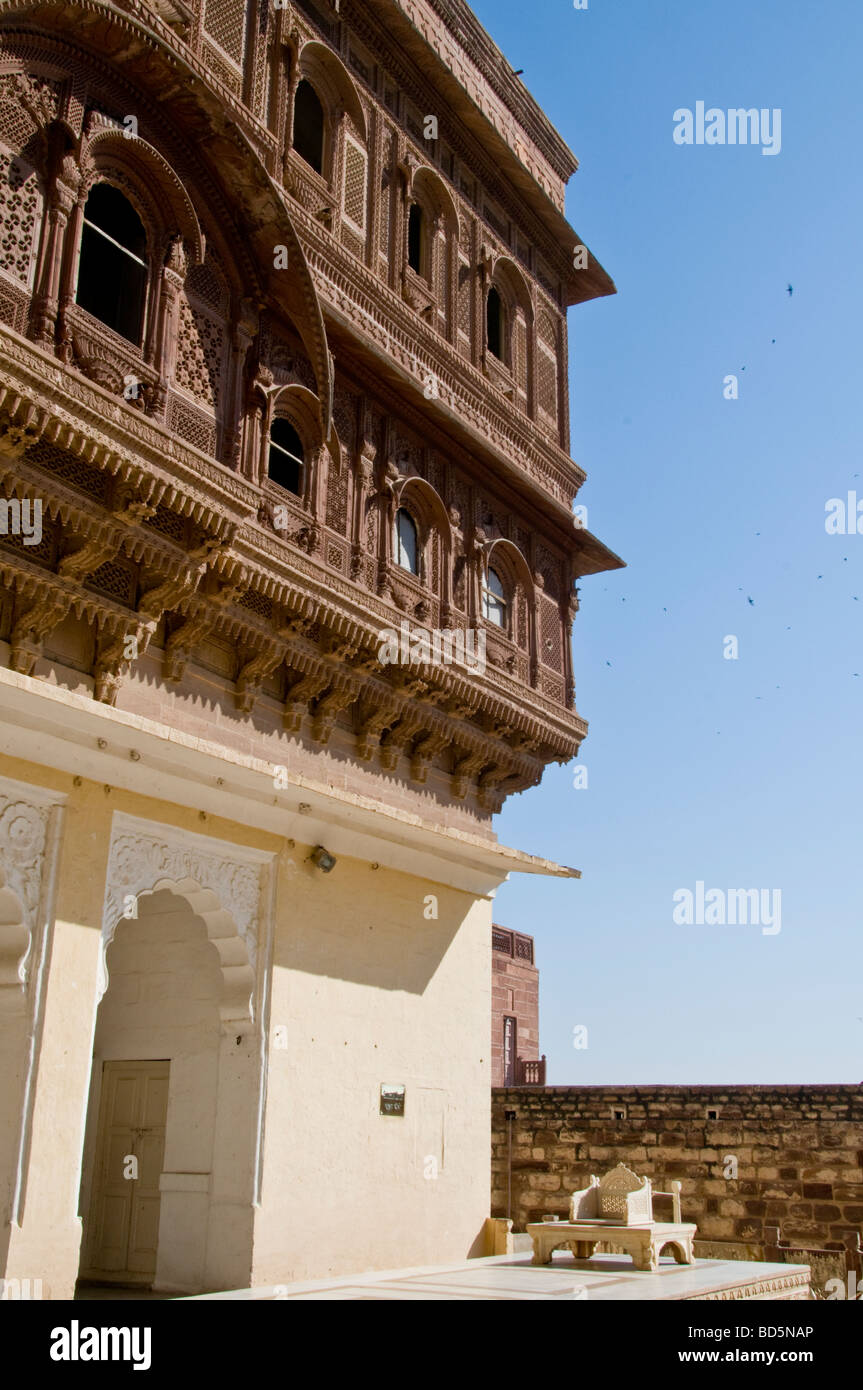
[(514, 992), (799, 1152)]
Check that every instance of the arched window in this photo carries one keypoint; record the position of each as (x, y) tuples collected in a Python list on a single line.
[(495, 324), (494, 599), (416, 238), (112, 269), (309, 126), (405, 543), (287, 459)]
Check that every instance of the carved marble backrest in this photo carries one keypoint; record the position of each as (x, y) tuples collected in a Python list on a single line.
[(624, 1197)]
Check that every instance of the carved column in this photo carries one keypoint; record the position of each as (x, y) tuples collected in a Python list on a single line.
[(292, 54), (68, 269), (475, 576), (313, 484), (451, 263), (254, 426), (244, 330), (388, 474), (568, 610), (481, 284), (532, 356), (534, 627), (364, 465), (46, 299), (167, 319)]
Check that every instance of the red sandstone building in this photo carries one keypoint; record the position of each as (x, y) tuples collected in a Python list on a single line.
[(515, 1059)]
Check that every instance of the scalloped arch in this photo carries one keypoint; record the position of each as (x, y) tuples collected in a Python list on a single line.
[(130, 152), (510, 277), (430, 496), (238, 976), (316, 61), (513, 558), (221, 885)]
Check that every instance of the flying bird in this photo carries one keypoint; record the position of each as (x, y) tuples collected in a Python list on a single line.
[(790, 291), (750, 601)]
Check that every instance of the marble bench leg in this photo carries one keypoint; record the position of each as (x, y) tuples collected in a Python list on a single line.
[(541, 1253)]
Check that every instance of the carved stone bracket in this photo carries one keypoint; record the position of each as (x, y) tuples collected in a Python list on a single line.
[(81, 563), (300, 696), (427, 748), (373, 720), (32, 628), (254, 672), (115, 652), (182, 642), (466, 769), (328, 708)]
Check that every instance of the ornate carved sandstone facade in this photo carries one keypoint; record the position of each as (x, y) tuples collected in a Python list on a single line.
[(233, 239)]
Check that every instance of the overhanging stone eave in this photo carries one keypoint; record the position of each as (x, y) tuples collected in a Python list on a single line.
[(533, 123), (593, 557), (59, 730)]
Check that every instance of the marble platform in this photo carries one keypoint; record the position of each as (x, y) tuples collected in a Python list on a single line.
[(606, 1278)]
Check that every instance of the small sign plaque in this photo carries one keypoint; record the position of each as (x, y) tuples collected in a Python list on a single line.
[(392, 1100)]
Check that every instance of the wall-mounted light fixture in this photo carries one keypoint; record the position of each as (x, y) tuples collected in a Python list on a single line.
[(322, 859)]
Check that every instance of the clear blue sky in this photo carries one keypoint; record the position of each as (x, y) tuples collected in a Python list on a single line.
[(746, 773)]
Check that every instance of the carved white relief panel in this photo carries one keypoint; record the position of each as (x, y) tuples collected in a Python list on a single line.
[(27, 854), (222, 884)]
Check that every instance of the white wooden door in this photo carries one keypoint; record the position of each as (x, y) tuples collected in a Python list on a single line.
[(129, 1155)]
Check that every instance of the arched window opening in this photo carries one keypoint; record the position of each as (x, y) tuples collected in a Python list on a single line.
[(495, 324), (406, 546), (112, 269), (309, 126), (416, 237), (287, 458), (494, 599)]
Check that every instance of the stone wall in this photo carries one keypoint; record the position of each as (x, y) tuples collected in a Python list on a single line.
[(750, 1158)]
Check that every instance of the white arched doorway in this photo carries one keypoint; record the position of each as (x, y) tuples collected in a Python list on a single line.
[(170, 1171)]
